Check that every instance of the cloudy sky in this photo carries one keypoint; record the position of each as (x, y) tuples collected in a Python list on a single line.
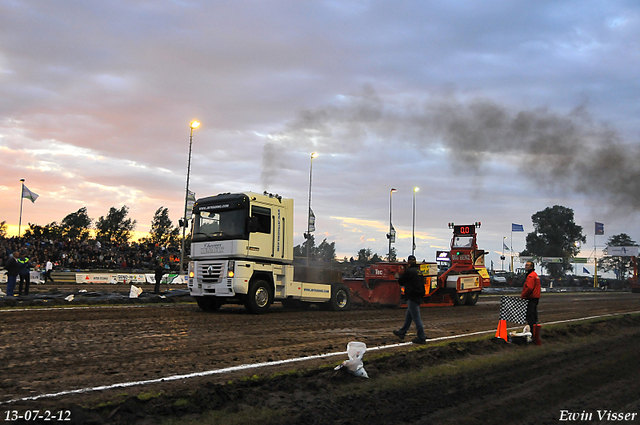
[(495, 110)]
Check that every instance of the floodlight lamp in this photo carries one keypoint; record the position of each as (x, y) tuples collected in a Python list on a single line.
[(194, 124)]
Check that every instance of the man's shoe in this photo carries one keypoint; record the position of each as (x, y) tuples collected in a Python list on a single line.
[(419, 341), (399, 334)]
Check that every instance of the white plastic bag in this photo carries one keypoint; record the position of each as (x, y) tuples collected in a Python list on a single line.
[(525, 332), (356, 351), (135, 292)]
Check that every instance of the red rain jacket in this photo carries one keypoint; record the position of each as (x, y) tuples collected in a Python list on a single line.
[(531, 288)]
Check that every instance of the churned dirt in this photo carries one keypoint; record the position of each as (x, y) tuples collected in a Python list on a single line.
[(579, 368)]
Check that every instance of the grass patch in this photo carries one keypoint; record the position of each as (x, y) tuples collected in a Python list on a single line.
[(115, 401), (181, 402), (149, 395)]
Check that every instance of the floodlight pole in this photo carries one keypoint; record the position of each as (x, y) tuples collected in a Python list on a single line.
[(21, 200), (194, 124)]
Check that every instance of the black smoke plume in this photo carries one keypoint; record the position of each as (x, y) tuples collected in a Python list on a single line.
[(562, 152)]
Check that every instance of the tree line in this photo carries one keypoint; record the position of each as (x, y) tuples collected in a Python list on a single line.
[(556, 234), (115, 227)]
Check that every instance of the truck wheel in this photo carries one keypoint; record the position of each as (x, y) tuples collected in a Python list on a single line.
[(259, 297), (209, 303), (472, 297), (340, 297), (460, 299)]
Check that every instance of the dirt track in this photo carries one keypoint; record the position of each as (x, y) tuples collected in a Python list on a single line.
[(51, 350)]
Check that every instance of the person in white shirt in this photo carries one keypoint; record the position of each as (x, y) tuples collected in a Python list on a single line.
[(47, 271)]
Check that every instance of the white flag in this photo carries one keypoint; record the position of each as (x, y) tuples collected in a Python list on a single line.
[(26, 193)]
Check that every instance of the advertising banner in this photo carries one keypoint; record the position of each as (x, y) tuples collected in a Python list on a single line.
[(34, 277), (622, 251), (110, 278), (171, 278)]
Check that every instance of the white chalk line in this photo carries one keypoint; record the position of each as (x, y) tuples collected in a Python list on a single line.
[(273, 363)]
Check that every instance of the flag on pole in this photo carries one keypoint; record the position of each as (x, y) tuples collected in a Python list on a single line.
[(505, 246), (517, 227), (392, 235), (26, 193), (584, 270), (312, 221), (599, 228), (191, 200)]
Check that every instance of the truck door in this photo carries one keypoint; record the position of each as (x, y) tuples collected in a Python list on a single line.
[(262, 232)]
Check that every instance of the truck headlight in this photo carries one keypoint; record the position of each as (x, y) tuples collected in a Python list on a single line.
[(230, 268)]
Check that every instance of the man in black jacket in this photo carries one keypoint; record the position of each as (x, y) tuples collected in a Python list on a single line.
[(158, 274), (414, 291), (12, 267)]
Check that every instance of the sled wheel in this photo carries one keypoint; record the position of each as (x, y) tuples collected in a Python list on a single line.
[(472, 298), (460, 299)]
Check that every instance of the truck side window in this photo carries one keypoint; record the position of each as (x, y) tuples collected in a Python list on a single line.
[(262, 217)]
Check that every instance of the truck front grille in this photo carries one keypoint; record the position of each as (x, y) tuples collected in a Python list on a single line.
[(210, 272)]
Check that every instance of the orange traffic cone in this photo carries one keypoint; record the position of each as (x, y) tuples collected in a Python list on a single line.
[(536, 334), (502, 330)]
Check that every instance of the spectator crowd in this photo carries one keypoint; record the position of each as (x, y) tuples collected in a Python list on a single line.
[(90, 255)]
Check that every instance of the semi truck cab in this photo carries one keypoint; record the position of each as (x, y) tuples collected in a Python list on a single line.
[(242, 252)]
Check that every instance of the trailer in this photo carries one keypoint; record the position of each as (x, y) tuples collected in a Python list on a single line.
[(460, 284)]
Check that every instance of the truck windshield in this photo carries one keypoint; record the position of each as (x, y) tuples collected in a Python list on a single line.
[(220, 225)]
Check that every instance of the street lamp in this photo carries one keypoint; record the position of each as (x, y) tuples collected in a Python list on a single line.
[(413, 231), (502, 257), (194, 124), (392, 232), (310, 214)]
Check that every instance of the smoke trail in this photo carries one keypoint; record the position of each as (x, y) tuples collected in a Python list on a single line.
[(559, 151)]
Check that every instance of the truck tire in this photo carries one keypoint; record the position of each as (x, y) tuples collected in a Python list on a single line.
[(472, 297), (459, 298), (209, 303), (340, 297), (259, 297)]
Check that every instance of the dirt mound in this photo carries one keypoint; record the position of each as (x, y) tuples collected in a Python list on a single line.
[(579, 368)]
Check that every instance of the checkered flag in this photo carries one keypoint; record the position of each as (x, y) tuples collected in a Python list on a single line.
[(513, 309)]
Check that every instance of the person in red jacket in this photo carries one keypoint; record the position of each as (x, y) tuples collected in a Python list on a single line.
[(531, 292)]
